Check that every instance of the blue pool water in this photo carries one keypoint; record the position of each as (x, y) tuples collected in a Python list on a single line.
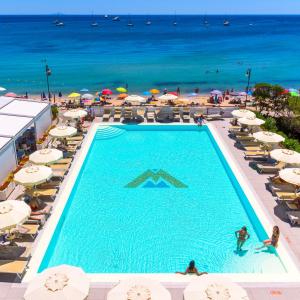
[(151, 198)]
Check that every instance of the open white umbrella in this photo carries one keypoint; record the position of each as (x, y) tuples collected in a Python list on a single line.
[(168, 97), (268, 137), (213, 287), (2, 89), (13, 213), (251, 121), (63, 131), (88, 97), (290, 175), (242, 113), (135, 98), (63, 282), (285, 155), (45, 156), (139, 289), (33, 175), (75, 113)]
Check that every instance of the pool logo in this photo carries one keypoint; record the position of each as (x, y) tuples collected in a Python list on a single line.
[(156, 179)]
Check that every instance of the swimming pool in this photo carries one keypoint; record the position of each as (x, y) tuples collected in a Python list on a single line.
[(150, 198)]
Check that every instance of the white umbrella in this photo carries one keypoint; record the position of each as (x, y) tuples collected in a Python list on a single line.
[(63, 282), (75, 113), (242, 113), (45, 156), (213, 287), (290, 175), (2, 89), (13, 213), (168, 97), (135, 98), (33, 175), (88, 97), (285, 155), (268, 137), (63, 131), (251, 121), (139, 289)]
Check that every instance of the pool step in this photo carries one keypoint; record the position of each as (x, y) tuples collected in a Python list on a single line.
[(108, 132)]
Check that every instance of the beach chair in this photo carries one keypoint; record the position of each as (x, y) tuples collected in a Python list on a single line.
[(64, 161), (106, 114), (186, 114), (37, 219), (28, 229), (140, 113), (60, 167), (234, 129), (249, 143), (44, 193), (252, 148), (286, 195), (150, 116), (176, 114), (75, 138), (17, 267), (117, 115), (281, 187), (59, 174), (255, 155), (294, 217), (245, 138), (269, 169), (214, 117), (128, 114), (292, 205), (15, 252)]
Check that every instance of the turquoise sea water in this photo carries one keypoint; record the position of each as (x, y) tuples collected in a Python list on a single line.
[(161, 55), (120, 220)]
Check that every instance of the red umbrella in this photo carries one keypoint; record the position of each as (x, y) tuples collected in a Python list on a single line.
[(285, 92), (106, 92), (10, 95), (173, 93)]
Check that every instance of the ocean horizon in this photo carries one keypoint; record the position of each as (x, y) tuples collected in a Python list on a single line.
[(161, 55)]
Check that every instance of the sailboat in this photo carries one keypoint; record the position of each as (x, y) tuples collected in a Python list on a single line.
[(175, 20), (148, 22), (60, 24), (130, 24), (226, 22), (205, 21), (94, 23), (105, 16)]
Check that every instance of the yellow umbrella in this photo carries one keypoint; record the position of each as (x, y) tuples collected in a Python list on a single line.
[(154, 91), (74, 95), (121, 90)]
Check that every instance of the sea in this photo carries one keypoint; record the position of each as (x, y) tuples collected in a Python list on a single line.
[(190, 55)]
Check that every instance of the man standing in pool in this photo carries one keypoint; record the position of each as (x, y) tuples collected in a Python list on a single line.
[(242, 236)]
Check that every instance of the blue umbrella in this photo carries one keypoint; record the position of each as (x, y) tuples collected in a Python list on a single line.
[(147, 93), (192, 94), (84, 90)]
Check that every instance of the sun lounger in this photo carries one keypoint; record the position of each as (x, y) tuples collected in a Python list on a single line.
[(17, 267), (13, 252), (64, 161), (286, 195), (186, 115), (234, 129), (245, 138), (281, 187), (176, 115), (292, 205), (37, 219), (44, 193), (28, 229), (269, 169), (58, 173), (294, 217), (150, 116), (43, 211), (249, 143), (117, 114), (106, 115), (128, 114), (140, 113), (60, 167), (214, 117), (252, 148), (255, 155), (75, 138)]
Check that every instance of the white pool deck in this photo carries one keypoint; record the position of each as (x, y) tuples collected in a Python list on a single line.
[(260, 286)]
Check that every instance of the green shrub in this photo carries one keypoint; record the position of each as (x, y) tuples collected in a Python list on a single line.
[(270, 124), (292, 144), (54, 111)]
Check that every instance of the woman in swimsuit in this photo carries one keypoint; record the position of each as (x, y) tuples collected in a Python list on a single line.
[(273, 241), (242, 236), (191, 269)]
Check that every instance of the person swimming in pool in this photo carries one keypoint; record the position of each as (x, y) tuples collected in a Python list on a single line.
[(191, 269), (273, 241), (242, 236)]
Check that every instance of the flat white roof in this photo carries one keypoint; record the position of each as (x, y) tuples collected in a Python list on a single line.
[(12, 125), (23, 108), (5, 100), (4, 141)]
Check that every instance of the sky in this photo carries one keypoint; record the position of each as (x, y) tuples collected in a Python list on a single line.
[(227, 7)]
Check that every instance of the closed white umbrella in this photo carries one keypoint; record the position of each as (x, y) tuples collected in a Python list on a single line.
[(213, 287), (13, 213), (139, 289), (285, 155), (168, 97), (63, 131), (242, 113), (251, 121), (33, 175), (63, 282), (290, 175), (75, 113), (268, 137), (45, 156), (135, 98)]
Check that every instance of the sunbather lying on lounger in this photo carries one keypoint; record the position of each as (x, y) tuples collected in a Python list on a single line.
[(273, 241), (38, 207)]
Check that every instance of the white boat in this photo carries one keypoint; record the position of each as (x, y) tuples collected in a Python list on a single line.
[(60, 24), (226, 23), (56, 21), (105, 16), (116, 18), (94, 24), (148, 23), (175, 20)]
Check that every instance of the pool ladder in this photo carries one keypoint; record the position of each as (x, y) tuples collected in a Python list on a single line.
[(108, 132)]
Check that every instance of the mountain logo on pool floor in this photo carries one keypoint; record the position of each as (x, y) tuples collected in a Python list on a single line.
[(156, 179)]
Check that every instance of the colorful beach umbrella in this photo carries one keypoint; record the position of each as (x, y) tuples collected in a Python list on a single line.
[(121, 90), (294, 94), (146, 93), (10, 95), (106, 92), (74, 95), (122, 96), (84, 90), (173, 93), (154, 91), (2, 89)]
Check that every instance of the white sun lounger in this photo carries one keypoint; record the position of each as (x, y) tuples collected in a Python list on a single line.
[(294, 217)]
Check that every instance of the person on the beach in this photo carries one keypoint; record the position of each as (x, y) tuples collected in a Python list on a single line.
[(242, 236), (178, 91), (200, 120), (273, 241), (165, 91), (191, 269)]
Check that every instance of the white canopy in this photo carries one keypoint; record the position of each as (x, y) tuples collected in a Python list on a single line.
[(251, 121), (45, 156), (4, 141), (268, 137), (75, 113), (290, 175), (10, 126), (135, 98), (168, 97), (5, 100), (242, 113), (285, 155), (139, 289), (59, 283), (12, 213), (62, 131)]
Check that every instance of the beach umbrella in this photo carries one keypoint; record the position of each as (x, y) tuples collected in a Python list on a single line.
[(13, 95), (75, 113), (63, 282), (193, 95), (121, 90), (45, 156), (2, 89), (135, 99), (242, 94), (293, 91), (106, 92), (268, 137), (216, 92), (139, 289), (214, 287), (168, 97), (62, 131), (173, 93), (234, 94), (285, 155), (74, 95), (84, 90), (290, 175), (33, 175), (251, 121), (146, 93), (122, 96), (13, 213), (154, 91), (87, 97), (242, 113)]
